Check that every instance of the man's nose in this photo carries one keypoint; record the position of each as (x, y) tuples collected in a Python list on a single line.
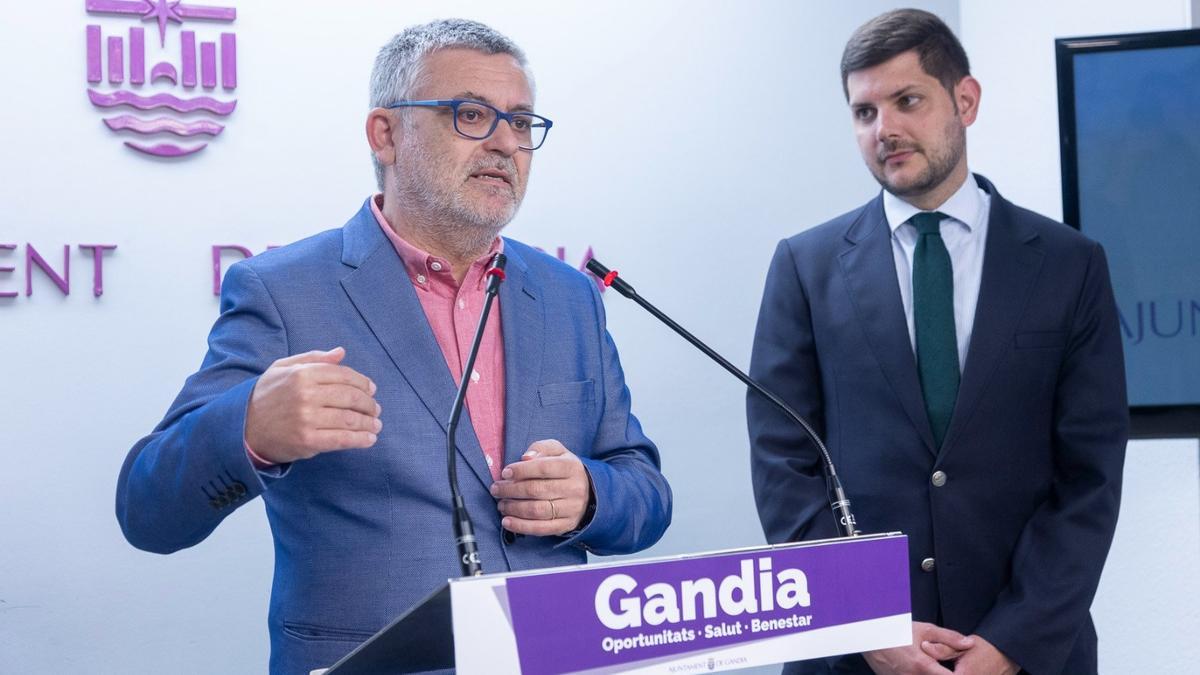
[(886, 125), (503, 140)]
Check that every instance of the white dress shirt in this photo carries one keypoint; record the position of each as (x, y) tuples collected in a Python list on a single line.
[(965, 235)]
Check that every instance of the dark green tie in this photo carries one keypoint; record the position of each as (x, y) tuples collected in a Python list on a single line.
[(933, 317)]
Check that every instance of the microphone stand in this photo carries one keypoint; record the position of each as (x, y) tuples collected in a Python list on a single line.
[(838, 500), (464, 531)]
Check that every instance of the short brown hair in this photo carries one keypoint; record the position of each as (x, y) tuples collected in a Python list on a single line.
[(891, 34)]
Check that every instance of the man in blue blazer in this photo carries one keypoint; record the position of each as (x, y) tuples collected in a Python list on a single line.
[(961, 355), (332, 368)]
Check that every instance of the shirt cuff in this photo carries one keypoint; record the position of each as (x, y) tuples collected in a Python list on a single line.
[(258, 462)]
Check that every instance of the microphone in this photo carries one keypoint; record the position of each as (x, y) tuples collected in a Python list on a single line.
[(464, 531), (837, 499)]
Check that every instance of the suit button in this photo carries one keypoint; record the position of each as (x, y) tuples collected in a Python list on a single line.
[(927, 565), (510, 537), (938, 478)]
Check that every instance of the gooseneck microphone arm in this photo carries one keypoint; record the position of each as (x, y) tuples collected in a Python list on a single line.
[(464, 531), (838, 500)]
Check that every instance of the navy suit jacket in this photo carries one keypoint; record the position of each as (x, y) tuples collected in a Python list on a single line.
[(1034, 452), (361, 535)]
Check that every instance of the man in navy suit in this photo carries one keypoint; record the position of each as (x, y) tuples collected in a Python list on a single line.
[(961, 355), (332, 368)]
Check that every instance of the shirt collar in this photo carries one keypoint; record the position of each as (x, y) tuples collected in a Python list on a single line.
[(963, 206), (418, 263)]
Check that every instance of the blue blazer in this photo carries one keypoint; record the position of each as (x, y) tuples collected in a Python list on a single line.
[(1034, 452), (361, 535)]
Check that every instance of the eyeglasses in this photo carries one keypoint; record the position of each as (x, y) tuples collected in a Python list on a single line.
[(478, 120)]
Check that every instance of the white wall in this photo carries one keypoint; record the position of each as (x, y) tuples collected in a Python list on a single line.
[(1147, 609), (1011, 46)]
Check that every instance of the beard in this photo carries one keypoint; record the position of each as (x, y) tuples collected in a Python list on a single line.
[(940, 161), (448, 206)]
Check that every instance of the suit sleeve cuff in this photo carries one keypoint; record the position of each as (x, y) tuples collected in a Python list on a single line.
[(1029, 657), (266, 470), (595, 526)]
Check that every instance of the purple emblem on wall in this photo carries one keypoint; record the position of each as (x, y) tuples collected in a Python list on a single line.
[(165, 71), (187, 57), (93, 52), (177, 69), (116, 61), (208, 64), (166, 149), (175, 103), (228, 61), (137, 56), (162, 124), (162, 11)]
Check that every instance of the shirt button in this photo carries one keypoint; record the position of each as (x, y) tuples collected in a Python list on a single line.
[(462, 304), (435, 266), (420, 278), (489, 459), (927, 565), (938, 478), (474, 375)]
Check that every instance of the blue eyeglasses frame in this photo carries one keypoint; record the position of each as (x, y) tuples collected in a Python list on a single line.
[(454, 103)]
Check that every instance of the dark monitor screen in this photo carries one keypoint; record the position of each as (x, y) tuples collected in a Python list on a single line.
[(1129, 111)]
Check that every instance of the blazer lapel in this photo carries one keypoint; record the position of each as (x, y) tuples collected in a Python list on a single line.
[(383, 294), (1011, 263), (522, 318), (870, 272)]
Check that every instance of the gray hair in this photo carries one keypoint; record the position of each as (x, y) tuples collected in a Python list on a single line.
[(400, 64)]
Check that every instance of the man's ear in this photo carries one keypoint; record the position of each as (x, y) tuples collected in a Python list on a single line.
[(382, 129), (966, 97)]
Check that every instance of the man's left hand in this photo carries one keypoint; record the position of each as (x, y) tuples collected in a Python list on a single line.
[(983, 659), (546, 493)]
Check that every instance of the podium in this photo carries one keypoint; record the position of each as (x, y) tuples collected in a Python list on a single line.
[(698, 612)]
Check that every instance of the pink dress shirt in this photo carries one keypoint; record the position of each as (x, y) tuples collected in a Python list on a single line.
[(453, 312)]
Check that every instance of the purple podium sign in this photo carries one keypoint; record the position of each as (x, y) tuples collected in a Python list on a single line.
[(614, 615)]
